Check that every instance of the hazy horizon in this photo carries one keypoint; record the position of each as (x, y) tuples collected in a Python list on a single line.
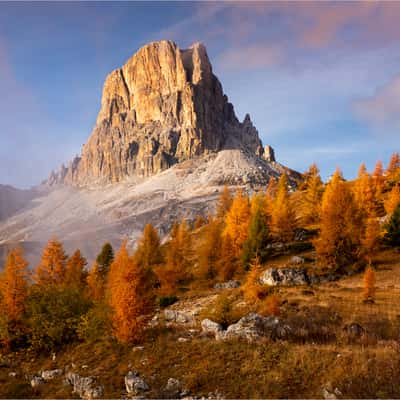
[(321, 81)]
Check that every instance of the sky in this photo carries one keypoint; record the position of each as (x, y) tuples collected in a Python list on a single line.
[(321, 80)]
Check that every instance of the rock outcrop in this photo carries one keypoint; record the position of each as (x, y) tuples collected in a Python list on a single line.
[(162, 107), (285, 277)]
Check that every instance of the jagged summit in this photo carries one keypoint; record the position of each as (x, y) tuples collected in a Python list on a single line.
[(164, 106)]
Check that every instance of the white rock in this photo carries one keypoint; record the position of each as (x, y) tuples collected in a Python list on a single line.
[(51, 374), (134, 384), (37, 381), (209, 326)]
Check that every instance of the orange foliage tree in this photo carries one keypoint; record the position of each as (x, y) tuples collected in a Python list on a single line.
[(148, 252), (270, 196), (341, 225), (312, 190), (224, 202), (14, 285), (178, 259), (369, 283), (95, 283), (210, 249), (227, 263), (53, 264), (271, 306), (364, 193), (393, 169), (75, 271), (378, 180), (237, 221), (252, 290), (371, 239), (393, 199), (131, 296), (283, 219)]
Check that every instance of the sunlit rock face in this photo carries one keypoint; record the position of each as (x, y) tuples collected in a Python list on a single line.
[(162, 107)]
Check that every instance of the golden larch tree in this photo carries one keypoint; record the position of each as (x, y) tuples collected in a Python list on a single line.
[(283, 219), (95, 283), (210, 249), (364, 193), (131, 296), (341, 226), (178, 259), (75, 271), (252, 290), (311, 196), (227, 263), (14, 285), (393, 199), (148, 252), (270, 194), (371, 239), (393, 169), (378, 178), (224, 202), (53, 264), (237, 221), (369, 283)]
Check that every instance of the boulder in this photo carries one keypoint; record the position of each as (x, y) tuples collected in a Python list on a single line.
[(285, 277), (37, 381), (179, 317), (51, 374), (84, 387), (173, 388), (134, 384), (227, 285), (254, 326), (296, 260), (209, 326)]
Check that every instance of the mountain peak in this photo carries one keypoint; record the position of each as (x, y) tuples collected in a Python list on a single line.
[(162, 107)]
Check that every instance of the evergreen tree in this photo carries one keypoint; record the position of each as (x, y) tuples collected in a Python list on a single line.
[(104, 259), (392, 235), (257, 241)]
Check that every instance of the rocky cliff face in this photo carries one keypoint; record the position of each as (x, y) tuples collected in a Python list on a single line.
[(162, 107)]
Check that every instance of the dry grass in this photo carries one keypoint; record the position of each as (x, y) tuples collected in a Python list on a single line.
[(318, 354)]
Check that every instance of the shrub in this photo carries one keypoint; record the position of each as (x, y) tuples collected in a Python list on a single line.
[(95, 324), (53, 314), (222, 311)]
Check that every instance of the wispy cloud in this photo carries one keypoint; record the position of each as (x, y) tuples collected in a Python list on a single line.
[(382, 109)]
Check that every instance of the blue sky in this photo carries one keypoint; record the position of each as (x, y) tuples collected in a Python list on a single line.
[(321, 81)]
